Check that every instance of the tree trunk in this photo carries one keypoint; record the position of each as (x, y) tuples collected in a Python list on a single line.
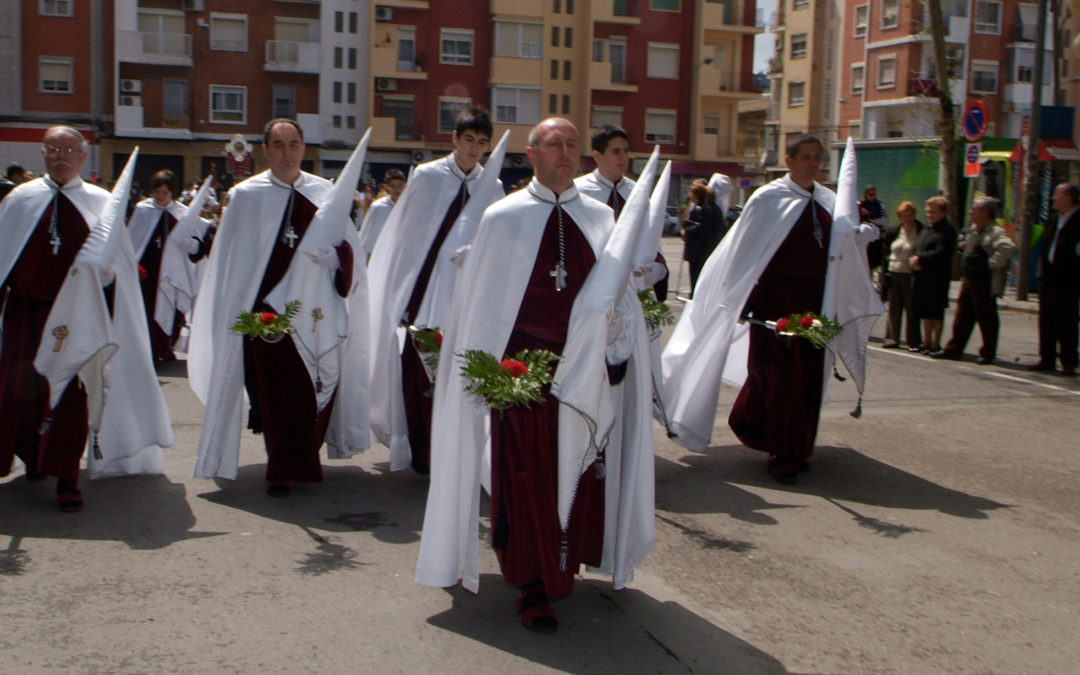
[(947, 123), (1032, 170)]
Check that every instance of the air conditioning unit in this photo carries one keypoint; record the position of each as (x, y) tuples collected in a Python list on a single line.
[(385, 84), (419, 156), (128, 100), (517, 159), (131, 86), (384, 13), (192, 5)]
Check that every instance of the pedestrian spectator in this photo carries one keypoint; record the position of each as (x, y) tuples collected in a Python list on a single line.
[(896, 282), (931, 265), (873, 211), (1059, 284), (702, 231), (987, 252), (379, 211)]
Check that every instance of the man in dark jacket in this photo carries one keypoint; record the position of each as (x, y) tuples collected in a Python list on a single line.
[(1059, 284)]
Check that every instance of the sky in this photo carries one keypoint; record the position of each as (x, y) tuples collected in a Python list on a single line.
[(763, 43)]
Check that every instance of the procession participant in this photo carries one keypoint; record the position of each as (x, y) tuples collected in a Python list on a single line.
[(608, 183), (48, 223), (379, 211), (149, 228), (783, 256), (412, 272), (1059, 284), (261, 230), (531, 257)]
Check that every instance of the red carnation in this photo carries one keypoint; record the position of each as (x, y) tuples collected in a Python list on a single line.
[(267, 317), (437, 337), (781, 324), (142, 272), (516, 368), (806, 321)]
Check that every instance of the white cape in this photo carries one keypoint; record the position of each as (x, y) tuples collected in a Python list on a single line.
[(710, 345), (395, 264), (485, 306)]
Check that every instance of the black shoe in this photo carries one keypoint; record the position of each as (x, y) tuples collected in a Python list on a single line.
[(1041, 366), (942, 354), (890, 345), (68, 497), (983, 361)]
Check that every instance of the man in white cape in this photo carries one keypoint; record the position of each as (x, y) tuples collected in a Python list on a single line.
[(789, 252), (64, 342), (412, 272), (309, 386), (379, 211), (531, 257)]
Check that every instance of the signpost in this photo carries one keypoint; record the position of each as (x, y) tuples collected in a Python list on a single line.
[(975, 121), (744, 183), (971, 160)]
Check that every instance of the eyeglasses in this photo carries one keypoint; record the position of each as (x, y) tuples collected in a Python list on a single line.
[(52, 150)]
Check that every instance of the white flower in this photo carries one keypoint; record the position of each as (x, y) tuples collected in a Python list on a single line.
[(816, 324)]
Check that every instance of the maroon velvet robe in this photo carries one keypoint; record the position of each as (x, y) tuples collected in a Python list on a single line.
[(31, 289), (778, 408), (416, 386), (524, 443), (160, 342), (283, 402)]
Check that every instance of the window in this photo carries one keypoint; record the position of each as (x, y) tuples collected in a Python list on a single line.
[(339, 23), (798, 46), (352, 22), (711, 123), (351, 88), (448, 112), (554, 69), (800, 4), (890, 14), (861, 13), (566, 104), (516, 105), (350, 122), (456, 47), (858, 78), (987, 17), (228, 32), (337, 121), (163, 33), (660, 126), (886, 72), (1025, 74), (352, 58), (228, 104), (55, 8), (54, 74), (602, 116), (406, 48), (566, 70), (520, 39), (567, 34), (554, 36), (663, 61), (403, 112), (556, 6), (597, 51), (553, 103), (284, 101), (855, 130), (617, 57), (664, 5), (984, 76), (174, 98), (337, 92), (338, 51), (569, 6), (796, 94)]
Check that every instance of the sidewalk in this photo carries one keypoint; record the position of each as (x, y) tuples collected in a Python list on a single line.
[(1008, 302)]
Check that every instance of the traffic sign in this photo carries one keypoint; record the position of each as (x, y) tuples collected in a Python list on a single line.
[(971, 160), (745, 183), (975, 121)]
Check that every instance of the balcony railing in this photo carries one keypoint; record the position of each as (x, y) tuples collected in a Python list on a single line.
[(920, 86), (167, 44), (294, 57), (153, 48)]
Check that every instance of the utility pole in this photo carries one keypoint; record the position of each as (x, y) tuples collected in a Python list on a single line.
[(1031, 160)]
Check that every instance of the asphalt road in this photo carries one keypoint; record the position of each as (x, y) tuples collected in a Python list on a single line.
[(938, 533)]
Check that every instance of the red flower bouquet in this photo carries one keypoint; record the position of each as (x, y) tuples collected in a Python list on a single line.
[(269, 326), (514, 381), (814, 328)]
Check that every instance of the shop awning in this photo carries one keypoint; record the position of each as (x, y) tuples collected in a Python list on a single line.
[(1052, 150)]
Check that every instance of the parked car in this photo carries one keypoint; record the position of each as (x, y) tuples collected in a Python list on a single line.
[(671, 222)]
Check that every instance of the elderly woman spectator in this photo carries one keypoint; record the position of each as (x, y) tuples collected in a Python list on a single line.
[(896, 285), (931, 264)]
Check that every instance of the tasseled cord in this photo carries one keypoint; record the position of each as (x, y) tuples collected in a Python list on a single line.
[(601, 467), (44, 428), (857, 412), (97, 447), (564, 553)]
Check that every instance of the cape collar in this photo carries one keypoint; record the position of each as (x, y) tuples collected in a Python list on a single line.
[(456, 171), (73, 184), (795, 186), (604, 181), (540, 193), (274, 180)]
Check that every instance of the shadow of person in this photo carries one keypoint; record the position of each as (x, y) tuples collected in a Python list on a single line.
[(603, 631), (176, 368), (707, 489), (349, 499), (840, 474), (144, 512)]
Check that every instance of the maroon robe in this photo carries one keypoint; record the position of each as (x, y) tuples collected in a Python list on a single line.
[(416, 386), (31, 289), (283, 405), (525, 441), (778, 408), (160, 342)]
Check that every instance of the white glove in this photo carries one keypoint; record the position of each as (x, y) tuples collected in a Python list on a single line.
[(614, 328), (652, 273), (326, 257), (188, 245)]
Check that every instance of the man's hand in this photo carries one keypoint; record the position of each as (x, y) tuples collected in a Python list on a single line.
[(188, 245), (326, 257), (614, 328), (913, 261)]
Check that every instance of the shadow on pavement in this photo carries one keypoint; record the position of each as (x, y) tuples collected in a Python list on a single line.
[(390, 506), (144, 512), (837, 473), (603, 631)]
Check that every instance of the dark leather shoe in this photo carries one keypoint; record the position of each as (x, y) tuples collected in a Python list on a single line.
[(983, 361), (1040, 366), (942, 354)]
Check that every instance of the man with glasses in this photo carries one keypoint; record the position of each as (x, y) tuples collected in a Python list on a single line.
[(44, 224)]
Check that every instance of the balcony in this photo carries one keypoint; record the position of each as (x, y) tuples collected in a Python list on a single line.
[(519, 8), (161, 49), (714, 81), (919, 86), (284, 56), (609, 76), (724, 16), (513, 70), (385, 63), (403, 4), (616, 11)]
